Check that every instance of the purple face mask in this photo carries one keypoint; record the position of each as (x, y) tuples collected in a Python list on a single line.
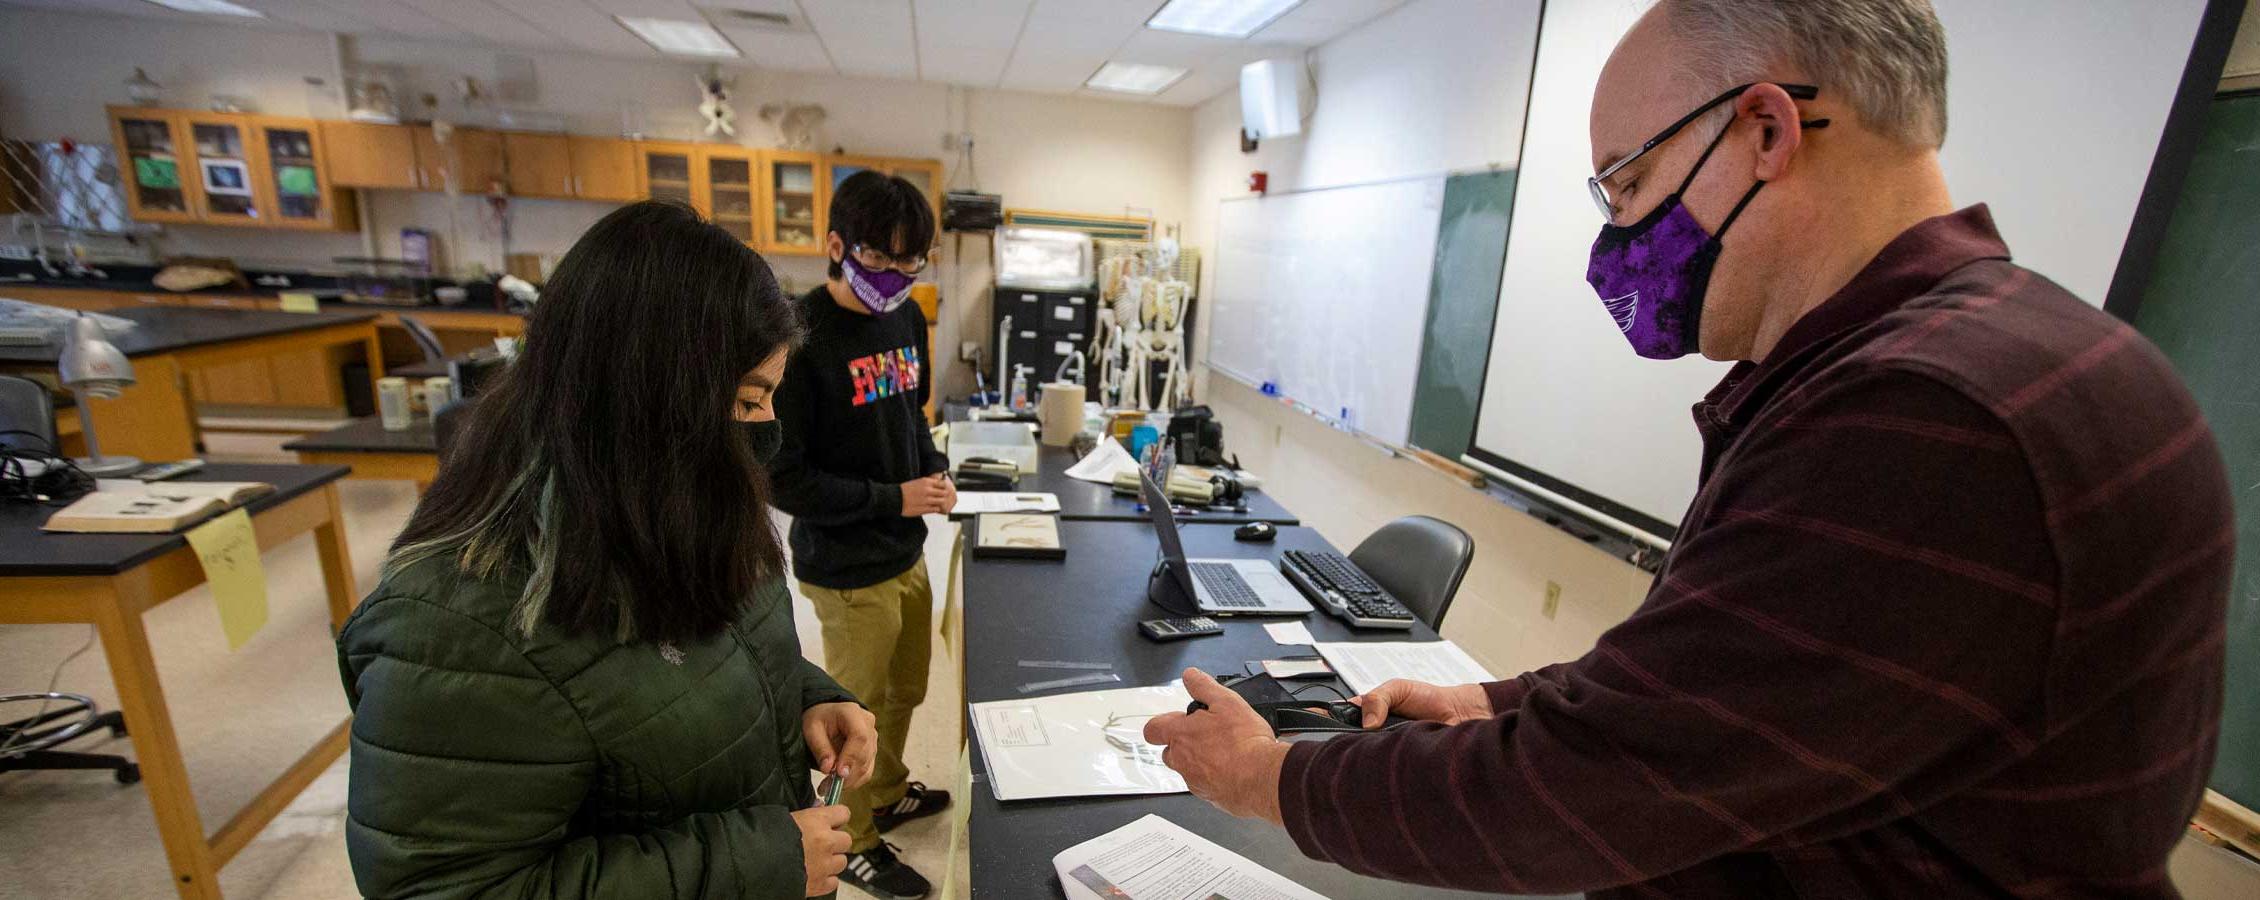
[(1652, 275), (881, 290)]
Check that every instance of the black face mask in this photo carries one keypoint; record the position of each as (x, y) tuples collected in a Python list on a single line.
[(766, 437)]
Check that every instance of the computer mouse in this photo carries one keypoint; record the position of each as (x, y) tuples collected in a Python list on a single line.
[(1255, 531)]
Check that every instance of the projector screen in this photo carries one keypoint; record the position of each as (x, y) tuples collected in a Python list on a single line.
[(2055, 113)]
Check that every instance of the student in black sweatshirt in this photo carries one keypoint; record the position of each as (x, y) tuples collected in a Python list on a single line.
[(858, 471)]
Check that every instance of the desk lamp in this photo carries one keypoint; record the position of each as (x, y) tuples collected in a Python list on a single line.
[(92, 367)]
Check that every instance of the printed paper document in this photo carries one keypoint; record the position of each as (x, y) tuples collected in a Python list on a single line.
[(976, 502), (1156, 859), (1102, 464), (1365, 666)]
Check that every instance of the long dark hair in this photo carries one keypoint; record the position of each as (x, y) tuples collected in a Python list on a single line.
[(603, 465)]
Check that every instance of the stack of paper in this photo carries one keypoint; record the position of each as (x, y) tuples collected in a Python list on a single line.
[(1365, 666), (1156, 859), (976, 502)]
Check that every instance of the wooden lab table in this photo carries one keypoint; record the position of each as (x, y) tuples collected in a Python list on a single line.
[(109, 580), (155, 417), (373, 452)]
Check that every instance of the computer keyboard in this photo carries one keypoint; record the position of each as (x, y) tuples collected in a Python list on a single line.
[(1335, 583), (1225, 586)]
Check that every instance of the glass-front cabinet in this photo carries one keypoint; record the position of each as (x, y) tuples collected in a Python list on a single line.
[(666, 172), (795, 207), (730, 190), (226, 169), (294, 175), (222, 147), (152, 159)]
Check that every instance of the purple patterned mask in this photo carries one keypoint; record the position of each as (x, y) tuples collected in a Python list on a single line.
[(1652, 274), (880, 290)]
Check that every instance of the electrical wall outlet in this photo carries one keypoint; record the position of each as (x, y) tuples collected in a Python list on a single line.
[(1553, 600)]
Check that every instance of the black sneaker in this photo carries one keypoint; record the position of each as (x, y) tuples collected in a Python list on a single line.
[(918, 802), (881, 875)]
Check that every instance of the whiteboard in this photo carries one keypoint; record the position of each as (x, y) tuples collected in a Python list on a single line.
[(2055, 111), (1321, 296)]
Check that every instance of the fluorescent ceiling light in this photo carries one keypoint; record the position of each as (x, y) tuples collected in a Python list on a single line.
[(210, 8), (1219, 18), (1134, 78), (679, 37)]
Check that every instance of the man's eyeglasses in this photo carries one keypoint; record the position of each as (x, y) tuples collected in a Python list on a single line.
[(873, 258), (1598, 185)]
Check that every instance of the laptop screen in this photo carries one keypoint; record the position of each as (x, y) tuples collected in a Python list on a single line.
[(1165, 530)]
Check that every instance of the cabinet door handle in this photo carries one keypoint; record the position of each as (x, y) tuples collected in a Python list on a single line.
[(576, 185)]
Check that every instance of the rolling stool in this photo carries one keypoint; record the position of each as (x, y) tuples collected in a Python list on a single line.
[(28, 741)]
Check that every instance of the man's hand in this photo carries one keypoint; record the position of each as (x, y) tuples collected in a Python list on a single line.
[(841, 736), (823, 847), (927, 495), (1226, 752), (1423, 701)]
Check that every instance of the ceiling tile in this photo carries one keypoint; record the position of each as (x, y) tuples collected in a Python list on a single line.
[(1197, 87), (1067, 40), (784, 51), (396, 18), (871, 38), (580, 24), (657, 9), (967, 41), (481, 21)]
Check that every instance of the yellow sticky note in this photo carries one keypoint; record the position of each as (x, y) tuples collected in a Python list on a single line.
[(230, 553), (294, 301)]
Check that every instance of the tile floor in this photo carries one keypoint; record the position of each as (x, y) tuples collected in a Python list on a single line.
[(244, 716)]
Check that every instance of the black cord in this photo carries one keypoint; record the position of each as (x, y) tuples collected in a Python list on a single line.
[(1298, 692), (59, 482)]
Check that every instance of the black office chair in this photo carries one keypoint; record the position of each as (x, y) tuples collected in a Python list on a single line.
[(425, 339), (1420, 561), (27, 423)]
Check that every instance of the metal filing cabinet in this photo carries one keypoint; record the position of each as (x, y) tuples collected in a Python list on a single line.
[(1047, 326)]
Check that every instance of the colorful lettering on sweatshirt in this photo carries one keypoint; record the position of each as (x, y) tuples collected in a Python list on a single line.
[(883, 375)]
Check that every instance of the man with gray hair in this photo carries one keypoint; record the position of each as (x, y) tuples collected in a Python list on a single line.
[(1946, 616)]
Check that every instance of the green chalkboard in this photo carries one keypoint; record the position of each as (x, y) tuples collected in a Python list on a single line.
[(2203, 308), (1463, 298)]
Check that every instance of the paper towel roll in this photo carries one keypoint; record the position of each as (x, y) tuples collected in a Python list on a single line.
[(1060, 414)]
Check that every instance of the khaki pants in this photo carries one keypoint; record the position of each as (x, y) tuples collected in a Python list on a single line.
[(877, 643)]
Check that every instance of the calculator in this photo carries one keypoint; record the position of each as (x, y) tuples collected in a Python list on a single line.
[(1179, 629)]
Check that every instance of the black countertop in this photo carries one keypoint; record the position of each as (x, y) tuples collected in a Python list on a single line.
[(1087, 501), (368, 435), (165, 329), (30, 551), (1086, 608)]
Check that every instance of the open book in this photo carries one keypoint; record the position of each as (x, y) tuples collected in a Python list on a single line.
[(133, 508)]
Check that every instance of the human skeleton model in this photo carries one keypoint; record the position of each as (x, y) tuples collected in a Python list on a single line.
[(1142, 322)]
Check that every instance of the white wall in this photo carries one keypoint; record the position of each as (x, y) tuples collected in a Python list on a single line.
[(1434, 86), (1040, 151)]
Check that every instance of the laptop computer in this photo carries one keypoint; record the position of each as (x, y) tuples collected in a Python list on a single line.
[(1221, 587)]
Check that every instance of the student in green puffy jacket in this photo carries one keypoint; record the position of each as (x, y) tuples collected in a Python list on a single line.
[(579, 676)]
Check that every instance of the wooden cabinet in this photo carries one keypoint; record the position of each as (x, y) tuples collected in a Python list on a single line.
[(664, 171), (541, 165), (470, 160), (154, 163), (795, 200), (731, 190), (225, 169), (570, 167), (366, 155), (295, 177), (603, 168)]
